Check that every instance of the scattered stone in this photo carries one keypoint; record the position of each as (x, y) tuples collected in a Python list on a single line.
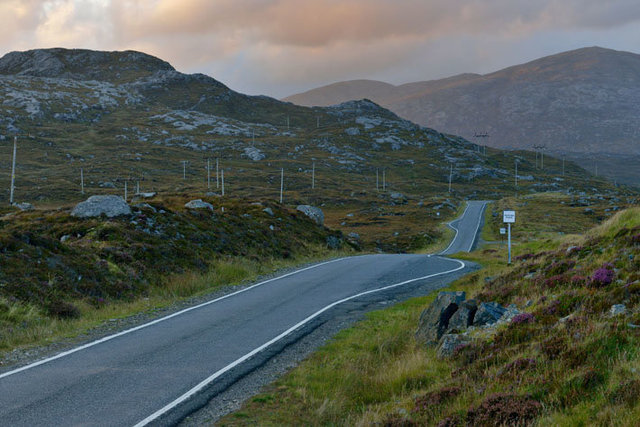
[(111, 206), (65, 238), (449, 343), (511, 312), (334, 242), (268, 211), (434, 320), (618, 309), (107, 184), (397, 196), (146, 206), (24, 206), (354, 236), (463, 317), (312, 212), (198, 204), (254, 154), (488, 313), (147, 195)]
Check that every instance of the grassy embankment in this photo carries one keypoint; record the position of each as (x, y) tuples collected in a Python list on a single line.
[(61, 276), (548, 369)]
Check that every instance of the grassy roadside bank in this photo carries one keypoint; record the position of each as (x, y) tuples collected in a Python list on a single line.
[(574, 364), (61, 277)]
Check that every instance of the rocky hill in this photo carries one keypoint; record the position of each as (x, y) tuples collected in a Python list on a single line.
[(582, 103), (116, 122)]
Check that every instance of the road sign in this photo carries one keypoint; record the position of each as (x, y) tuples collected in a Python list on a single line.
[(503, 231), (509, 217)]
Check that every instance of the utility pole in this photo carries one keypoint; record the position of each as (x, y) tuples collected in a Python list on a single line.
[(450, 176), (596, 169), (253, 137), (125, 191), (13, 168), (208, 174), (482, 135), (137, 187), (81, 181), (318, 122), (287, 122), (562, 165), (313, 176), (384, 179), (281, 183), (222, 178), (377, 181), (516, 177), (184, 169), (217, 175)]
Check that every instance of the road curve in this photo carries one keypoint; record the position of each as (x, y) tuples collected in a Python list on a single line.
[(158, 372)]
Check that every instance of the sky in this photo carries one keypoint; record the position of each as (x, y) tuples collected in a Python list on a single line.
[(281, 47)]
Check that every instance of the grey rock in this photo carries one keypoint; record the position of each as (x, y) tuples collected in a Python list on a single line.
[(449, 343), (107, 184), (353, 235), (488, 313), (397, 196), (334, 242), (65, 238), (198, 204), (617, 310), (434, 320), (24, 206), (268, 211), (111, 206), (254, 154), (312, 212), (463, 317), (147, 195), (511, 312)]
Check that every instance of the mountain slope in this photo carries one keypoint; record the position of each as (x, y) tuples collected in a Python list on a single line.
[(583, 103)]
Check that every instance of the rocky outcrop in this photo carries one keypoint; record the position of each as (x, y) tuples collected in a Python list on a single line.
[(198, 204), (434, 321), (110, 206), (312, 212), (451, 321)]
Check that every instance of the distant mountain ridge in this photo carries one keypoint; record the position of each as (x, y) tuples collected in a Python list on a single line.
[(583, 102)]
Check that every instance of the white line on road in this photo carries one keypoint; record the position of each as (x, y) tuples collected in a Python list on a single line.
[(475, 233), (162, 319), (237, 362), (455, 228)]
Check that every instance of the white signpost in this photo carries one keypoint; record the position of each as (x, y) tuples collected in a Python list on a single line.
[(509, 217)]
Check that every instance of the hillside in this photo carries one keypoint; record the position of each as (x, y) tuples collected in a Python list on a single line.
[(116, 118), (582, 103), (570, 357)]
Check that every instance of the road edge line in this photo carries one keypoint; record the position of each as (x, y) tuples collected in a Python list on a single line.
[(200, 386), (159, 320)]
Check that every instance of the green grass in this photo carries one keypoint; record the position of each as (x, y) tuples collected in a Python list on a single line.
[(580, 372)]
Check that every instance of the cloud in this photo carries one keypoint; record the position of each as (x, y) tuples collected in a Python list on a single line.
[(285, 43)]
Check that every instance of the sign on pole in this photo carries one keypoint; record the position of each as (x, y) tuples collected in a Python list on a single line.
[(509, 217)]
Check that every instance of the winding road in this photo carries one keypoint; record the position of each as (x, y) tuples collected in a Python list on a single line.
[(159, 372)]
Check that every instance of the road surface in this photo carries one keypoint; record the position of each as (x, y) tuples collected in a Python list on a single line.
[(157, 373)]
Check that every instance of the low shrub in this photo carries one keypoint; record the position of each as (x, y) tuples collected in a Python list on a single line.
[(504, 409), (435, 398), (523, 318)]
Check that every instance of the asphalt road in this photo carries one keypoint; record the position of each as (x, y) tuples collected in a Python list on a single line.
[(159, 372)]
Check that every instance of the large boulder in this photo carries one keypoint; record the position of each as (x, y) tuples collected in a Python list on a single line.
[(488, 313), (111, 206), (198, 204), (434, 320), (312, 212), (449, 343), (463, 317)]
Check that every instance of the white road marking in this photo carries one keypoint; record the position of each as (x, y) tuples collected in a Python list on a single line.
[(454, 228), (475, 233), (242, 359), (162, 319)]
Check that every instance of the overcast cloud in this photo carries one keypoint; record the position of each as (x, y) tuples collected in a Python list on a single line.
[(278, 47)]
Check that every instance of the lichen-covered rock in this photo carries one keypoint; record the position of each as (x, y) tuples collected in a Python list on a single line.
[(24, 206), (198, 204), (111, 206), (463, 317), (334, 242), (449, 343), (312, 212), (434, 320), (488, 313)]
